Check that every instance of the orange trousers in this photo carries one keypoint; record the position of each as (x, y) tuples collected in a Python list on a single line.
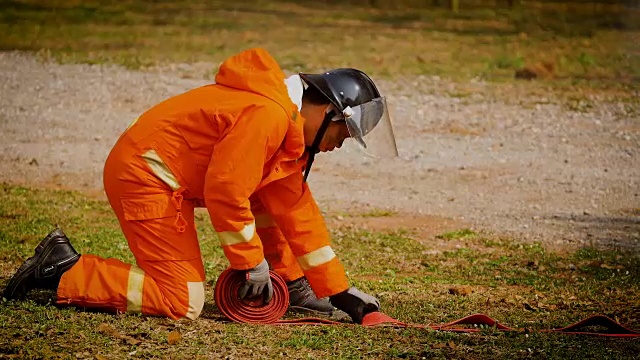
[(158, 223)]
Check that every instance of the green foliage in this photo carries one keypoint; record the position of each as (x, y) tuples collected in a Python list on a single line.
[(586, 60), (458, 234), (508, 62), (377, 213)]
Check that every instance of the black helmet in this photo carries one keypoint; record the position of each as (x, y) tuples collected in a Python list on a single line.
[(343, 87), (358, 102)]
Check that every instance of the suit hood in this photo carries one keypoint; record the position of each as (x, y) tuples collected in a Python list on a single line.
[(256, 71)]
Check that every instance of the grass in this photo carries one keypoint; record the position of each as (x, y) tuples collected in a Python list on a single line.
[(582, 42), (521, 285), (458, 234)]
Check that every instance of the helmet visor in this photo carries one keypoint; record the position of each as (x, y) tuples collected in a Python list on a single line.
[(370, 125)]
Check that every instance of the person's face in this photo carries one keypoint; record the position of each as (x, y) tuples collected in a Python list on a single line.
[(336, 131), (334, 136)]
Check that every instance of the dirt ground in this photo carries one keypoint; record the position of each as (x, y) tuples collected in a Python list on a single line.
[(518, 160)]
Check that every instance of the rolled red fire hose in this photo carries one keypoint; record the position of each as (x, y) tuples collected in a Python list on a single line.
[(256, 311)]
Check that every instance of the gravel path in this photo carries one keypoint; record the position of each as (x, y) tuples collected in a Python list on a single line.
[(511, 159)]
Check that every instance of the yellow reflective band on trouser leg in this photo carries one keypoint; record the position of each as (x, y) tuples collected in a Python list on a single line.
[(196, 299), (160, 169), (237, 237), (316, 257), (134, 289)]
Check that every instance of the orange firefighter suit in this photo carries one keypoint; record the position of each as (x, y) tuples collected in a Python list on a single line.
[(236, 147)]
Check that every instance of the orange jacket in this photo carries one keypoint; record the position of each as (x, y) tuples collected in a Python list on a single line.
[(242, 137)]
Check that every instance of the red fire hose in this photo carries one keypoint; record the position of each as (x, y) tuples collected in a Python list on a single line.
[(255, 311)]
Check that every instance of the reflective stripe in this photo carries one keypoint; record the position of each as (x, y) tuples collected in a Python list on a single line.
[(134, 289), (196, 299), (160, 169), (133, 123), (264, 221), (316, 257), (233, 237)]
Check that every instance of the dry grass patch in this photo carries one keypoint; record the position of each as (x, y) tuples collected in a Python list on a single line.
[(486, 42)]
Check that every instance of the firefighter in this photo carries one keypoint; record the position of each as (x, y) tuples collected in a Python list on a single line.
[(243, 148)]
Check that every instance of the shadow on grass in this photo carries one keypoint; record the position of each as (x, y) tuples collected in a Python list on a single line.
[(211, 312)]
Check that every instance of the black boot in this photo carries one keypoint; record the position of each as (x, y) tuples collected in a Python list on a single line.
[(302, 299), (53, 256)]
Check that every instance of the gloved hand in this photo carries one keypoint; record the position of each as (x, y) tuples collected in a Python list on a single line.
[(355, 303), (258, 282)]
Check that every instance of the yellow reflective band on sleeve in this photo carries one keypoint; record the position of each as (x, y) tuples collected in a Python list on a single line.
[(264, 221), (134, 289), (196, 299), (233, 237), (160, 169), (316, 257)]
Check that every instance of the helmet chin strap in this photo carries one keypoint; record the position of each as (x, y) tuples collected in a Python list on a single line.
[(315, 146)]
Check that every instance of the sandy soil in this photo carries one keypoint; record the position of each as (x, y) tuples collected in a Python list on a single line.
[(517, 160)]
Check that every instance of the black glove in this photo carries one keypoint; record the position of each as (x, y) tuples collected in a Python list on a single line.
[(258, 282), (355, 303)]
